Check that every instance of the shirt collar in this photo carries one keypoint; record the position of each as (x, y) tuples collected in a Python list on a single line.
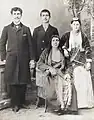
[(12, 24)]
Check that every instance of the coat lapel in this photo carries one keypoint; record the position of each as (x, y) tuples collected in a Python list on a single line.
[(19, 28), (41, 29), (49, 29)]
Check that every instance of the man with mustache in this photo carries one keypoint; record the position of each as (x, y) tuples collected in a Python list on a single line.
[(17, 56), (42, 34)]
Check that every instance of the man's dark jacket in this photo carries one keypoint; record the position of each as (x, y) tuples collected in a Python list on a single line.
[(41, 38), (17, 54)]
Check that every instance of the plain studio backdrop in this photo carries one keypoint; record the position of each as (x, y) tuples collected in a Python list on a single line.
[(60, 17)]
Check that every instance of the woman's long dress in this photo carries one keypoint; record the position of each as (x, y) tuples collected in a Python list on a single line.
[(82, 77), (47, 84), (82, 81), (54, 88)]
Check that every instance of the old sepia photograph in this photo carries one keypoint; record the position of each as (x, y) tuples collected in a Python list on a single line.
[(46, 59)]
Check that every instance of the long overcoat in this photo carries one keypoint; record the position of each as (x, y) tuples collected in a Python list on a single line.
[(17, 53)]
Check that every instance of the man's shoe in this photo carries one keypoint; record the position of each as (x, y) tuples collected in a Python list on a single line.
[(25, 106), (15, 109), (61, 112)]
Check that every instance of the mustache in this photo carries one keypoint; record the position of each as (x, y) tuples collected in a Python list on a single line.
[(17, 18)]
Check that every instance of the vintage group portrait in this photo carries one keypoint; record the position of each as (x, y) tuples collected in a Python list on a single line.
[(47, 60)]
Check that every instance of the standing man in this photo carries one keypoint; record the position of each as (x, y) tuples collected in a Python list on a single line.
[(42, 34), (17, 56), (41, 38)]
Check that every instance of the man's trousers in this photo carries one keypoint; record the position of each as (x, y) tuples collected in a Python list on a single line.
[(17, 94)]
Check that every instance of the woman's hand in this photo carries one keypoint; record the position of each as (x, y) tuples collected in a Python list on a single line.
[(67, 76), (52, 71), (88, 66), (47, 71), (62, 67)]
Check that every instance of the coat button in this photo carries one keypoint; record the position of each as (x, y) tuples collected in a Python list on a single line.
[(43, 41), (41, 48)]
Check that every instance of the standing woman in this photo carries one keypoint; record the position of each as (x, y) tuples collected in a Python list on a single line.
[(79, 52)]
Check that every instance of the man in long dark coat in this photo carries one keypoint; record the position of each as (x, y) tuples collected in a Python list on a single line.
[(18, 56), (41, 38)]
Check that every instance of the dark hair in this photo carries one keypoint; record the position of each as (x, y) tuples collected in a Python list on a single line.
[(49, 47), (56, 36), (76, 19), (16, 9), (45, 10)]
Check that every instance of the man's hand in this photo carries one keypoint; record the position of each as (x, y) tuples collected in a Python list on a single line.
[(4, 61), (32, 64), (66, 53)]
